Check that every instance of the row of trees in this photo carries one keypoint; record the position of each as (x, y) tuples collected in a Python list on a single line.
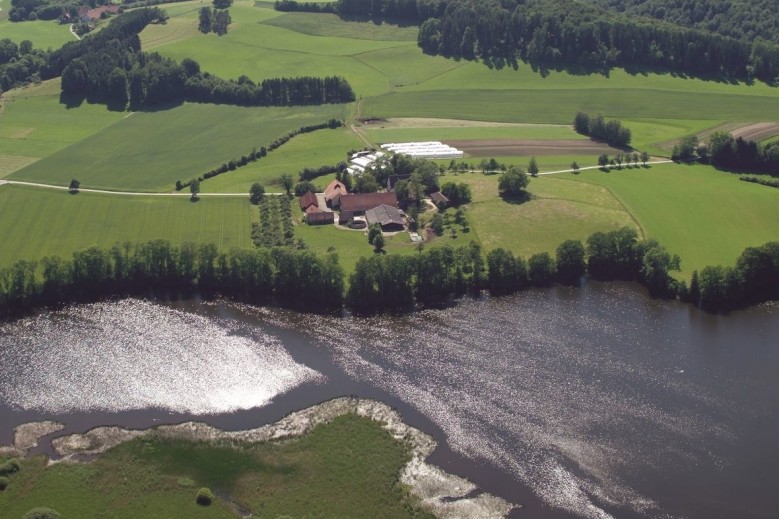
[(300, 279), (596, 127), (725, 151), (294, 278), (574, 35)]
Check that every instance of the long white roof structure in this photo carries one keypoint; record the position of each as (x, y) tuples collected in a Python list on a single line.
[(427, 150)]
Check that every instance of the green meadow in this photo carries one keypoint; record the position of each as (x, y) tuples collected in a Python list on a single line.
[(34, 124), (42, 222), (347, 468), (379, 134), (43, 34), (706, 216), (149, 151)]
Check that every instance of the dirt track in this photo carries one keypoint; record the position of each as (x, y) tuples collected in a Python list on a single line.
[(530, 147)]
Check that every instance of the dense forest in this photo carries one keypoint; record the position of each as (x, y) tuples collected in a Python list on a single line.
[(584, 36), (740, 19), (294, 277)]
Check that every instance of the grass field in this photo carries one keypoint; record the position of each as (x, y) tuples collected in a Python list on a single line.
[(442, 133), (347, 468), (557, 211), (149, 151), (706, 216), (324, 147), (41, 222), (43, 34), (33, 124)]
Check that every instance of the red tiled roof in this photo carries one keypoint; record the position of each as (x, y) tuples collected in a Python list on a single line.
[(307, 200), (364, 201), (333, 188)]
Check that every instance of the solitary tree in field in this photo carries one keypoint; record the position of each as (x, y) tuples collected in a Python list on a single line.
[(194, 188), (512, 183), (74, 185), (287, 183), (575, 167), (256, 192), (532, 167), (644, 157), (635, 159)]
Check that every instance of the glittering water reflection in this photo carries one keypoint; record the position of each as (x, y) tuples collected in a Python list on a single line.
[(137, 355), (595, 400)]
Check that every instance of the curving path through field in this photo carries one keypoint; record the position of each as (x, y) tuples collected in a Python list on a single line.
[(124, 193)]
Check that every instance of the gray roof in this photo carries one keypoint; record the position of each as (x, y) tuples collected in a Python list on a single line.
[(384, 215)]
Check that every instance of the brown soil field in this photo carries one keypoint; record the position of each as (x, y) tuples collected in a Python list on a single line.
[(757, 131), (531, 147)]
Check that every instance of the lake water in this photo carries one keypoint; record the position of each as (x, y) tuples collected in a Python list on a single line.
[(593, 402)]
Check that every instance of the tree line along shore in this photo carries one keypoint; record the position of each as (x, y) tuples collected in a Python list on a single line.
[(302, 280)]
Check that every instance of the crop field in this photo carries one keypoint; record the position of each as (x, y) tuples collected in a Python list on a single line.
[(346, 468), (706, 216), (42, 222), (149, 151), (396, 130), (33, 124)]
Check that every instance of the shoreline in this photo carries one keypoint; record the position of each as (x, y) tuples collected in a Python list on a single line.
[(445, 495)]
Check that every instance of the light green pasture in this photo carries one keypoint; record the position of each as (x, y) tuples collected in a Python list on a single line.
[(33, 124), (42, 222), (149, 151), (706, 216), (42, 33)]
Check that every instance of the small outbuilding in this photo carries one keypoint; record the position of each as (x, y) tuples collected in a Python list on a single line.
[(345, 217), (439, 199), (321, 218), (390, 218)]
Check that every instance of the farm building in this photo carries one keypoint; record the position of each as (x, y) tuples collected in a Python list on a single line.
[(333, 192), (424, 150), (390, 218), (344, 217), (321, 218), (439, 199), (360, 203), (308, 200)]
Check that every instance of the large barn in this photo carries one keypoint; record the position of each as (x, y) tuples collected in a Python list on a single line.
[(360, 203), (390, 218)]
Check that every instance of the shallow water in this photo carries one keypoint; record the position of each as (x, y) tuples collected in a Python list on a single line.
[(587, 403)]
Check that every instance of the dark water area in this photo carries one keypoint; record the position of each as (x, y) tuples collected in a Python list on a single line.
[(595, 403)]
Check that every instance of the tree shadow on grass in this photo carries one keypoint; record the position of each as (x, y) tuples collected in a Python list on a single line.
[(519, 199)]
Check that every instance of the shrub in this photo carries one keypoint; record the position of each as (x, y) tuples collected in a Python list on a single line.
[(9, 467), (204, 497), (3, 483), (42, 513)]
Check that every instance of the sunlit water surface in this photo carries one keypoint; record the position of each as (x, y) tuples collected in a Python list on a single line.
[(134, 355), (598, 402)]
